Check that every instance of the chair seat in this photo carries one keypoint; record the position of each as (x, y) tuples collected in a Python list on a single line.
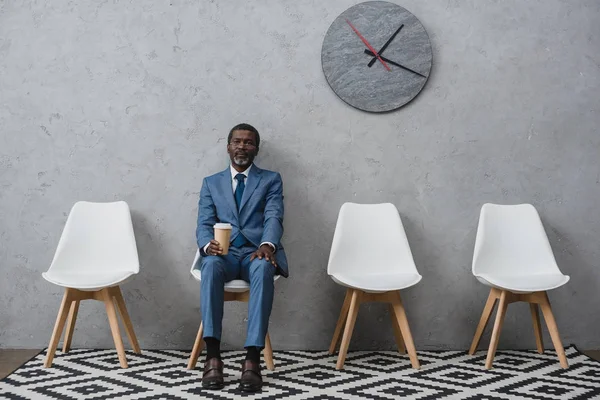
[(234, 286), (237, 286), (524, 283), (87, 280), (377, 282)]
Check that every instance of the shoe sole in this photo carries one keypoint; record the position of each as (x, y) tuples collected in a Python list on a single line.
[(247, 389), (213, 386)]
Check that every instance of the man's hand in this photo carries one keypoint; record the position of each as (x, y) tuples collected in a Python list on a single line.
[(265, 251), (214, 248)]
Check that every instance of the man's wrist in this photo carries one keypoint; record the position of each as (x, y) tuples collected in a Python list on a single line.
[(271, 245), (204, 250)]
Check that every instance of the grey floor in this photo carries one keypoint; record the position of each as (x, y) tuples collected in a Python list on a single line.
[(11, 359)]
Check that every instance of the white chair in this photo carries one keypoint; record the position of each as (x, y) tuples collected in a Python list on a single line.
[(96, 253), (513, 256), (370, 255), (235, 290)]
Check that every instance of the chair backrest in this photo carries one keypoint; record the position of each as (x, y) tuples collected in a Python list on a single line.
[(97, 237), (511, 241), (370, 239), (195, 270)]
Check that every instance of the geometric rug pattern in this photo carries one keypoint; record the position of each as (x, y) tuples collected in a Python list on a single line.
[(162, 374)]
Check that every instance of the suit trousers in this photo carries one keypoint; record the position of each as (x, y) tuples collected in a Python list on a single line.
[(215, 271)]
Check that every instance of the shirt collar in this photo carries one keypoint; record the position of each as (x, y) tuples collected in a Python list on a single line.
[(234, 172)]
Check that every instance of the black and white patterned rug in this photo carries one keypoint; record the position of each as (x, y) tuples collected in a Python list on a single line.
[(156, 374)]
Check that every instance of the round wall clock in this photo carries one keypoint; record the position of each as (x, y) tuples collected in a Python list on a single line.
[(376, 56)]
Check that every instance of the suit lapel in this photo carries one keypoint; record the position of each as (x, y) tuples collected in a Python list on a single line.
[(251, 184), (226, 188)]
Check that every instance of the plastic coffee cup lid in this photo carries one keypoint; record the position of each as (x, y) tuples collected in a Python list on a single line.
[(221, 225)]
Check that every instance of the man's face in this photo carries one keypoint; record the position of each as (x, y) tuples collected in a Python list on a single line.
[(242, 148)]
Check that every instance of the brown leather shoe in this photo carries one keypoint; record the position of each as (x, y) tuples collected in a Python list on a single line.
[(251, 380), (212, 378)]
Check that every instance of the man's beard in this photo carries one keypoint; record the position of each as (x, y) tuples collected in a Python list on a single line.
[(242, 162)]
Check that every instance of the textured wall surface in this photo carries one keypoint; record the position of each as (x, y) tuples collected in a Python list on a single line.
[(107, 100)]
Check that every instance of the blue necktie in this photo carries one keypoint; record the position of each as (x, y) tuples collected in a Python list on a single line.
[(240, 240)]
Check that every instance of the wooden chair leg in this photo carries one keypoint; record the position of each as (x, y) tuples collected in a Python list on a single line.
[(553, 329), (500, 314), (63, 311), (485, 316), (405, 329), (197, 348), (70, 326), (350, 321), (537, 327), (116, 292), (268, 353), (337, 333), (397, 332), (114, 326)]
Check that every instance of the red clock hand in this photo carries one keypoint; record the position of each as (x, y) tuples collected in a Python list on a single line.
[(368, 45)]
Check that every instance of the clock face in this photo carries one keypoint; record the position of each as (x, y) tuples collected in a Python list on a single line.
[(376, 56)]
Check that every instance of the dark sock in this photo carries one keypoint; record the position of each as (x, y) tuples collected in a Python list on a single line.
[(213, 348), (253, 354)]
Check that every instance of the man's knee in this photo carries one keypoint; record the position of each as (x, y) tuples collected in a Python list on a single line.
[(212, 267), (261, 270)]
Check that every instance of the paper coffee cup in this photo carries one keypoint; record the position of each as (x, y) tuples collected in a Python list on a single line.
[(222, 235)]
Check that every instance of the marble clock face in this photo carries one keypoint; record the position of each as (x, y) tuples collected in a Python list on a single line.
[(376, 56)]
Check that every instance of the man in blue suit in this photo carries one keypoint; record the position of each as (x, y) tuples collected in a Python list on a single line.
[(251, 200)]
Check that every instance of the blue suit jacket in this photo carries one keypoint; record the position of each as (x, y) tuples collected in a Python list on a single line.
[(260, 218)]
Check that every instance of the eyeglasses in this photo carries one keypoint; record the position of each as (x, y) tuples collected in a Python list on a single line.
[(242, 143)]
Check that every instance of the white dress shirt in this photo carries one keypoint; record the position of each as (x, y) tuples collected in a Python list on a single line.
[(234, 183)]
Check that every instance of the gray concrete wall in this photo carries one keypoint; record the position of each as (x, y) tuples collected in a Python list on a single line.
[(133, 100)]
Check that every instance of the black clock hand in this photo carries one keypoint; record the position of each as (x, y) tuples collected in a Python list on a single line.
[(385, 45), (369, 52)]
